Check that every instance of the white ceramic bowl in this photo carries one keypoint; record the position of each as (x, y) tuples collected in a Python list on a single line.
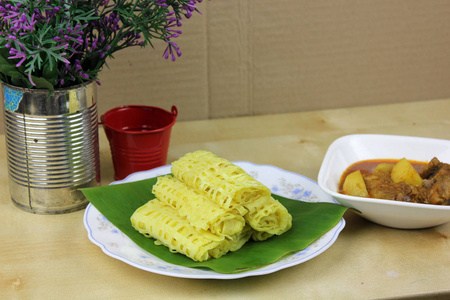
[(352, 148)]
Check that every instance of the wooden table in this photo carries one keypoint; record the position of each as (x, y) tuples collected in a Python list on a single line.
[(51, 257)]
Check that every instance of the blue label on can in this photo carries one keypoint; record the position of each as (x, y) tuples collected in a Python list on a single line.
[(12, 99)]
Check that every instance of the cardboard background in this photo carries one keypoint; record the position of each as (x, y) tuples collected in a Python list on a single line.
[(260, 57)]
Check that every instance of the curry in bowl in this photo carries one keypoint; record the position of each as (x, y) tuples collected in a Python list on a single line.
[(400, 180)]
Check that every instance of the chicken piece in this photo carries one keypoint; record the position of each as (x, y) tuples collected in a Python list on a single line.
[(380, 185), (437, 181)]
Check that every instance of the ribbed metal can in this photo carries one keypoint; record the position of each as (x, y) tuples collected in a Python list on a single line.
[(52, 146)]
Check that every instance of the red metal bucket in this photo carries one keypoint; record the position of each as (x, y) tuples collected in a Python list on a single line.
[(139, 137)]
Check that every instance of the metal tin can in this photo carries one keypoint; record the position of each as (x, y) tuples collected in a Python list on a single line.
[(52, 146)]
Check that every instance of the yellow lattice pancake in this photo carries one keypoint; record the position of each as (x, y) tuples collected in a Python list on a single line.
[(227, 184), (268, 215), (162, 222), (209, 207), (200, 211)]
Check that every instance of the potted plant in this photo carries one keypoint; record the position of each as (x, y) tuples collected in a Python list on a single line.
[(51, 53)]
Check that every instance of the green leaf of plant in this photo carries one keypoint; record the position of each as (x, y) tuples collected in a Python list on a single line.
[(8, 68), (310, 221), (4, 52), (50, 71), (17, 81), (42, 83), (17, 78)]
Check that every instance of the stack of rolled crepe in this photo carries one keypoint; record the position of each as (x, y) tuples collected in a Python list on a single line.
[(209, 207)]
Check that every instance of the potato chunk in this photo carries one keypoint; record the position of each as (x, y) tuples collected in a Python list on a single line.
[(354, 185), (405, 172), (384, 167)]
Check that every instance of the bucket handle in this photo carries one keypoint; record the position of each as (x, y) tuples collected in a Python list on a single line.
[(174, 111)]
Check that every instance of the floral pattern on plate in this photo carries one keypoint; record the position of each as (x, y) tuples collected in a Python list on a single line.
[(287, 184)]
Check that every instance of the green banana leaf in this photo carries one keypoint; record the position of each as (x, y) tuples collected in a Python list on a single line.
[(309, 222)]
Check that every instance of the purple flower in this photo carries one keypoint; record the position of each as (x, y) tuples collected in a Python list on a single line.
[(161, 3), (16, 54), (30, 79), (171, 50)]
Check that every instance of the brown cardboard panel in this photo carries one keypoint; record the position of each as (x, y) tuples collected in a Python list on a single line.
[(230, 58), (331, 54)]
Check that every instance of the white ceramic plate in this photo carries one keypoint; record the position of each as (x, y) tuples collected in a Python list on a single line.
[(290, 185), (404, 215)]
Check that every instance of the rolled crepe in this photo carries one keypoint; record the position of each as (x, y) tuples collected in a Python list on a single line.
[(268, 215), (260, 236), (162, 222), (199, 210), (239, 239), (225, 183), (209, 208)]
